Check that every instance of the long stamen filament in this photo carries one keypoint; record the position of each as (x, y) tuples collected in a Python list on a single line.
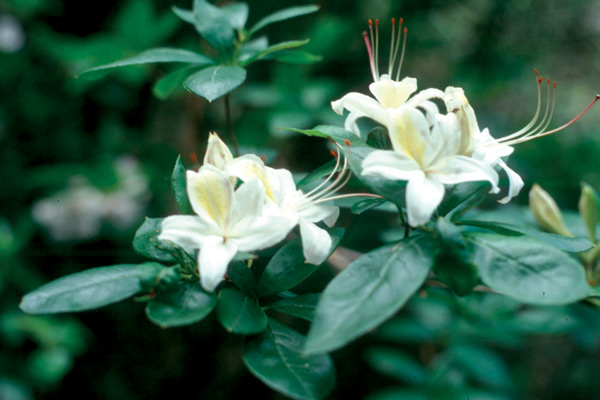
[(374, 49), (543, 125), (402, 54), (350, 195), (337, 164), (397, 46), (377, 48), (370, 51), (391, 61)]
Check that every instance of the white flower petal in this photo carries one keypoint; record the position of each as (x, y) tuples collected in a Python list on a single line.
[(409, 132), (316, 242), (390, 165), (515, 183), (392, 94), (361, 104), (319, 212), (246, 207), (423, 196), (210, 193), (213, 259), (465, 169), (187, 231), (217, 152), (264, 232)]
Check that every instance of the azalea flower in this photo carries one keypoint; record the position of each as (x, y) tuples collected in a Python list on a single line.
[(426, 154), (304, 209), (389, 93), (226, 221)]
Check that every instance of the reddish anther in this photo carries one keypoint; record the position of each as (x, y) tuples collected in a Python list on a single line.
[(370, 22), (194, 158), (393, 21), (376, 21), (548, 80), (405, 31), (536, 71), (347, 142), (540, 79), (263, 157), (400, 21), (554, 85), (333, 153)]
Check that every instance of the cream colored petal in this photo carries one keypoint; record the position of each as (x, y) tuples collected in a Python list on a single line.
[(250, 166), (515, 183), (423, 196), (409, 132), (210, 193), (246, 207), (442, 141), (465, 169), (213, 259), (264, 232), (217, 152), (361, 104), (316, 243), (392, 94), (187, 231), (387, 164), (423, 96), (320, 212)]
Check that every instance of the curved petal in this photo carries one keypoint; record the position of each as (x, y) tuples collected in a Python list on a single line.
[(424, 95), (187, 231), (264, 232), (390, 165), (246, 207), (316, 242), (423, 196), (210, 193), (392, 94), (213, 259), (319, 212), (409, 132), (360, 103), (515, 183), (465, 169), (217, 152)]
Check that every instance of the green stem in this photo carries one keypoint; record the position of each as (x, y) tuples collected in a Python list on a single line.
[(229, 122)]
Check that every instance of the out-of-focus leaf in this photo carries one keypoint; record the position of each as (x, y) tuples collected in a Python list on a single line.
[(528, 270), (367, 292), (239, 313), (397, 365), (171, 83), (178, 182), (160, 55), (242, 277), (287, 267), (184, 304), (272, 49), (214, 82), (302, 306), (90, 289), (147, 244), (294, 57), (276, 358), (282, 15), (213, 24), (236, 13)]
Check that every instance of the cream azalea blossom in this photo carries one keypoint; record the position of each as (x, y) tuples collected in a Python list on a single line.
[(426, 155), (226, 221), (284, 199)]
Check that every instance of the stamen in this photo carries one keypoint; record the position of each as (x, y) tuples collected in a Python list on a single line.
[(373, 46), (377, 48), (402, 54), (391, 61), (337, 164), (370, 51)]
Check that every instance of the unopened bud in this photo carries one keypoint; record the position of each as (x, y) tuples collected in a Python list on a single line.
[(546, 212), (588, 209)]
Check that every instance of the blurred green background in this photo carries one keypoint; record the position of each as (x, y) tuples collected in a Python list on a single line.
[(82, 162)]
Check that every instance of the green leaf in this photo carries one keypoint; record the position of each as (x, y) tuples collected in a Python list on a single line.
[(178, 182), (276, 358), (287, 268), (185, 15), (294, 57), (302, 306), (272, 49), (367, 204), (242, 277), (160, 55), (463, 197), (90, 289), (379, 138), (214, 82), (237, 14), (528, 270), (182, 305), (239, 313), (367, 292), (321, 172), (213, 24), (282, 15), (572, 245), (147, 244), (397, 365), (171, 83)]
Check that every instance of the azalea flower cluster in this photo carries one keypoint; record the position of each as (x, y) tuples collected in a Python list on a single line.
[(433, 148), (255, 214)]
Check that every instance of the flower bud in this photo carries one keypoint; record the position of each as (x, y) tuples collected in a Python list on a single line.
[(546, 212), (588, 209)]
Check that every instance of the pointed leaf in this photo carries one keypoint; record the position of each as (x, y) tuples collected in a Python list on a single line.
[(282, 15), (276, 358), (242, 277), (171, 83), (272, 49), (213, 24), (367, 292), (178, 182), (147, 244), (182, 305), (463, 197), (185, 15), (236, 13), (528, 270), (287, 267), (572, 245), (321, 172), (214, 82), (90, 289), (302, 306), (239, 313), (159, 55), (294, 57)]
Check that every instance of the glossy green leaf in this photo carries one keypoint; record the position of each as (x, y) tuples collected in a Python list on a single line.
[(90, 289), (321, 172), (214, 82), (287, 268), (365, 205), (295, 57), (178, 182), (236, 13), (239, 313), (159, 55), (147, 244), (213, 25), (528, 270), (302, 306), (368, 291), (463, 197), (379, 138), (276, 358), (272, 49), (184, 304), (242, 277), (282, 15), (572, 245), (185, 15)]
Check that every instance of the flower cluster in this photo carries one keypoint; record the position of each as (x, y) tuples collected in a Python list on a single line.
[(432, 148), (256, 214)]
